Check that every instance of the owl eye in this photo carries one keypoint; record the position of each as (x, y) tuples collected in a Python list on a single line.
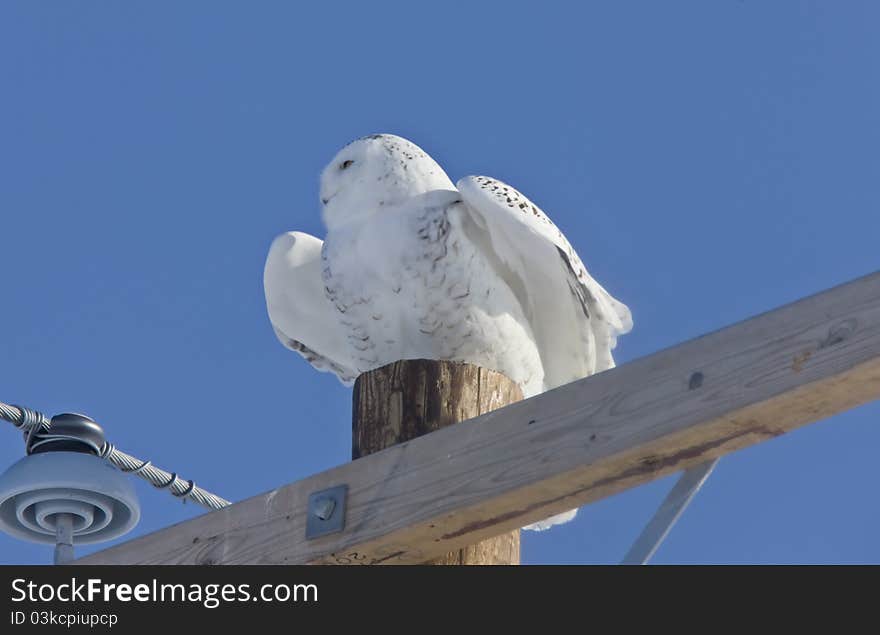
[(346, 164)]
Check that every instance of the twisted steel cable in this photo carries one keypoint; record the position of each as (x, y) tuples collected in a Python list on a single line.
[(32, 421)]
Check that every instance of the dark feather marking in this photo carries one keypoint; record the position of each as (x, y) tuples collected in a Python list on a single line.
[(577, 287), (319, 361)]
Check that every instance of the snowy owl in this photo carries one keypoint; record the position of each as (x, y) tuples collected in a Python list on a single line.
[(414, 267)]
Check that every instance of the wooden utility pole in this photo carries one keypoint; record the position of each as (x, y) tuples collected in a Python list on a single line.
[(409, 398)]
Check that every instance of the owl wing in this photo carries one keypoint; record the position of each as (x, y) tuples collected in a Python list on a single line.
[(574, 320), (303, 318)]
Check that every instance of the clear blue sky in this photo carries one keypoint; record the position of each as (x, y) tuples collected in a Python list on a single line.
[(709, 161)]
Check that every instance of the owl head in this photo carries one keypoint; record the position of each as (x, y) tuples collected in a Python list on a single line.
[(373, 174)]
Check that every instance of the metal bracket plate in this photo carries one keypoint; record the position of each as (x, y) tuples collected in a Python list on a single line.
[(326, 513)]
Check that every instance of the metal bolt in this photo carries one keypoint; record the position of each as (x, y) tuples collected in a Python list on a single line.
[(324, 508)]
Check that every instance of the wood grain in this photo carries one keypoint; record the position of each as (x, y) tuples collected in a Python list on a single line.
[(410, 398), (457, 486)]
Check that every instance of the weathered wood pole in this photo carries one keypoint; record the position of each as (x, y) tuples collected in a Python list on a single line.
[(409, 398)]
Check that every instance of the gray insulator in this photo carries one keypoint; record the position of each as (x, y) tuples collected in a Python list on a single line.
[(68, 432)]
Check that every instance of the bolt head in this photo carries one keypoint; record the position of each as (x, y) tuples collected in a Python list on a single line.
[(324, 508)]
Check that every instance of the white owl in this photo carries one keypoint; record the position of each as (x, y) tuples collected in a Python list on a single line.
[(414, 267)]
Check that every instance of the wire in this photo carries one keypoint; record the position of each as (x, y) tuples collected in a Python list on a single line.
[(31, 421)]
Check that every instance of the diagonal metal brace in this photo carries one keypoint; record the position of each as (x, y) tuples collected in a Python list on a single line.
[(668, 513)]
